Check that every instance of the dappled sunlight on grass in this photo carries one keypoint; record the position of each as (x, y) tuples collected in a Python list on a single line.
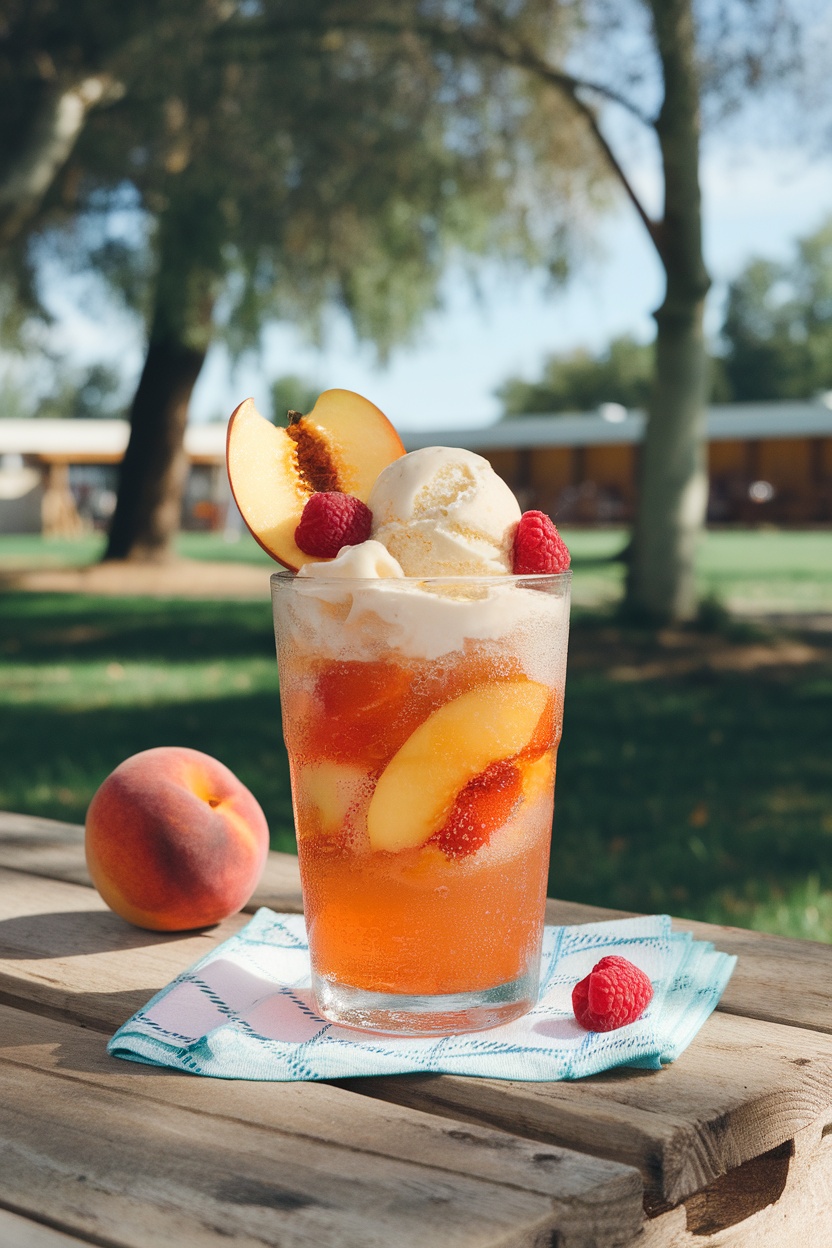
[(134, 684), (803, 909), (749, 570), (54, 758), (674, 794)]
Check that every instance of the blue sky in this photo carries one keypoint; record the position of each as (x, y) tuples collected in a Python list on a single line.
[(755, 203)]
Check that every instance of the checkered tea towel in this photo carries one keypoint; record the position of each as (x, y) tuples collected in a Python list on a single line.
[(246, 1011)]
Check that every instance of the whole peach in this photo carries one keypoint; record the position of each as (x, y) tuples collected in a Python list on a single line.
[(174, 840)]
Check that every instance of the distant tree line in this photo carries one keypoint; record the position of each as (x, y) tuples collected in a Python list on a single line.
[(777, 335), (775, 343)]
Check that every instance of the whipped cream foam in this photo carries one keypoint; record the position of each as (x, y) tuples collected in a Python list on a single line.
[(360, 604), (367, 561)]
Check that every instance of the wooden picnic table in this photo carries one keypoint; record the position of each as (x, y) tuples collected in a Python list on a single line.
[(729, 1146)]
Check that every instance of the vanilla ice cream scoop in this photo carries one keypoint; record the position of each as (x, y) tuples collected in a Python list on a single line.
[(441, 511)]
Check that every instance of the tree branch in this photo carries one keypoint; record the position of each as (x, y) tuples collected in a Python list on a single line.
[(569, 86), (55, 130), (505, 48)]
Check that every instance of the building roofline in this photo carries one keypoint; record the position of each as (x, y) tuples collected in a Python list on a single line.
[(104, 440), (725, 422)]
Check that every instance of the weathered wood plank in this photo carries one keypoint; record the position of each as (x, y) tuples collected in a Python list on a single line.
[(63, 952), (743, 1087), (595, 1202), (19, 1232), (56, 850), (43, 847), (133, 1172), (781, 1200), (279, 886), (777, 979)]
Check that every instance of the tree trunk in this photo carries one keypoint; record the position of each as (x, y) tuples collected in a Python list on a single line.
[(674, 485), (154, 469), (53, 134)]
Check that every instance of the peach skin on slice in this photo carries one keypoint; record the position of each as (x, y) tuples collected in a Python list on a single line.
[(342, 445), (462, 738)]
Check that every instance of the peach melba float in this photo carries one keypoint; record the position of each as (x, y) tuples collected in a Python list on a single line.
[(421, 647), (174, 840)]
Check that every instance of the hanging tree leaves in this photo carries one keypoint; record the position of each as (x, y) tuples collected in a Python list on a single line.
[(287, 166)]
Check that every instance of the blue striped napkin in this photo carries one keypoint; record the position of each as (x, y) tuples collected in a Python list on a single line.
[(246, 1011)]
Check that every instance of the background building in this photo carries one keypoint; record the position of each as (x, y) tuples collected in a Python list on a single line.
[(768, 463), (59, 476)]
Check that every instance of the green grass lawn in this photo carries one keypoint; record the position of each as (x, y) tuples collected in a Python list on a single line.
[(85, 682), (759, 570), (707, 794)]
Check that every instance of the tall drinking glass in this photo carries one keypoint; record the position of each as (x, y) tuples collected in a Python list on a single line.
[(422, 720)]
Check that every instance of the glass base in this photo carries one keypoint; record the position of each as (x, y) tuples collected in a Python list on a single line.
[(443, 1015)]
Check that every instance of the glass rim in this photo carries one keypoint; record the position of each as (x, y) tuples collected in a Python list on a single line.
[(285, 577)]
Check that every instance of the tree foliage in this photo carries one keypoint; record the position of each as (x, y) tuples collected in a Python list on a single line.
[(291, 393), (347, 179), (283, 160), (777, 332), (326, 166), (579, 381), (775, 343), (333, 153), (59, 63)]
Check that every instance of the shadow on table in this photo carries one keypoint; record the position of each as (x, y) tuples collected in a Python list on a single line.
[(102, 1012), (73, 933)]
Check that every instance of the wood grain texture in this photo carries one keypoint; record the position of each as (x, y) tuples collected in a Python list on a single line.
[(758, 1076), (279, 886), (56, 850), (784, 1201), (777, 979), (136, 1156), (132, 1171), (64, 953), (593, 1200), (20, 1232), (43, 847), (743, 1087)]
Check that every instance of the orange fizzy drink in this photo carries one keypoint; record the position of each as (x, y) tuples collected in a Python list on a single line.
[(422, 787)]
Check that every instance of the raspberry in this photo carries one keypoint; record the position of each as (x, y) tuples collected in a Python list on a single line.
[(331, 520), (484, 805), (538, 547), (613, 994)]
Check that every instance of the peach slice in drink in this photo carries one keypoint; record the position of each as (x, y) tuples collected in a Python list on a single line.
[(458, 742)]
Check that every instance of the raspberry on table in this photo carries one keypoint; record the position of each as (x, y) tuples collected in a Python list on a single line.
[(331, 520), (614, 994), (538, 547)]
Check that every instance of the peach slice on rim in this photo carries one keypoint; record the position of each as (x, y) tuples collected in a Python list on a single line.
[(341, 445)]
